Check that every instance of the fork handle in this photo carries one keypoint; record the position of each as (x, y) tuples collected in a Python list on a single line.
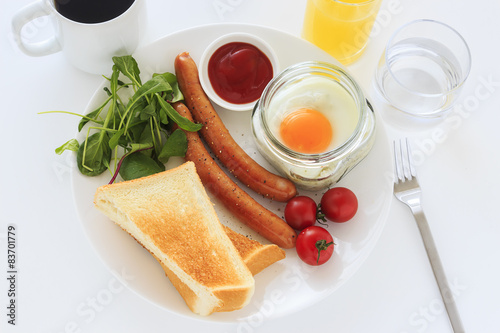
[(437, 268)]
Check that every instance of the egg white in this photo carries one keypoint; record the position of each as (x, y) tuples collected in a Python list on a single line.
[(321, 94)]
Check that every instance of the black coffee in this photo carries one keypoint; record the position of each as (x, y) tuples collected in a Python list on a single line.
[(92, 11)]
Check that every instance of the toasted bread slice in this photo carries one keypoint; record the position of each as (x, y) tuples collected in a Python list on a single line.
[(256, 256), (170, 214)]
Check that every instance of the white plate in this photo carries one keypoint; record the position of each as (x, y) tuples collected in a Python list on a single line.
[(288, 285)]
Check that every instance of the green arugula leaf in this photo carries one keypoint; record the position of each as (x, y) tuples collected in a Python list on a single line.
[(148, 112), (139, 165), (136, 128), (113, 83), (176, 94), (128, 66), (183, 122), (94, 154), (176, 145), (115, 138), (163, 116), (139, 146), (155, 85), (135, 147), (72, 145), (146, 136), (136, 106)]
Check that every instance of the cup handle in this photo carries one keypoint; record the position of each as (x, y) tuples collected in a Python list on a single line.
[(26, 15)]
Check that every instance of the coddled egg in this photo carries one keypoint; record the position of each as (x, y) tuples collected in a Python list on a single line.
[(312, 115)]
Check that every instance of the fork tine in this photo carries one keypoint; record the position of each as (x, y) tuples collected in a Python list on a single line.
[(403, 167), (397, 163), (411, 167), (405, 162)]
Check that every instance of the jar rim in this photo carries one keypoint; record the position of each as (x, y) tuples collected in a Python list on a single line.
[(301, 70)]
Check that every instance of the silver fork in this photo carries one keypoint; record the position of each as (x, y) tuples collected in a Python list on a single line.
[(407, 190)]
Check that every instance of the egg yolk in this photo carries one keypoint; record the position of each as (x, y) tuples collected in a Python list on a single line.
[(306, 131)]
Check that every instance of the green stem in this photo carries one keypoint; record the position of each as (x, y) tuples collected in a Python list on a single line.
[(74, 114), (322, 245), (320, 217)]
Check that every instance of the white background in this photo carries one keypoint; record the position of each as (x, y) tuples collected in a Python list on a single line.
[(393, 292)]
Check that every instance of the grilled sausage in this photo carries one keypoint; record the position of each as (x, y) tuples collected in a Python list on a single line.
[(220, 141)]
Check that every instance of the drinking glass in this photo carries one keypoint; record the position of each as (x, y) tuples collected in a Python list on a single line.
[(340, 27), (423, 68)]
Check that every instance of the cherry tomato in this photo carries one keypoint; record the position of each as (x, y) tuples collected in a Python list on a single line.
[(300, 212), (339, 204), (314, 245)]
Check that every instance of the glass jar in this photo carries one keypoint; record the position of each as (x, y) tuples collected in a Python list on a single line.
[(319, 170)]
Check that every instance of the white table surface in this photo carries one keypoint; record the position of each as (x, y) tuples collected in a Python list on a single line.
[(60, 275)]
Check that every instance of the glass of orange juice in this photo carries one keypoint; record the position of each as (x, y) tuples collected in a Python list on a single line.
[(340, 27)]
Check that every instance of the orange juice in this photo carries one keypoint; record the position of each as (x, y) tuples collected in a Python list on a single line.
[(341, 28)]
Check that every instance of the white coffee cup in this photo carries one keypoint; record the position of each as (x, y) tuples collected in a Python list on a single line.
[(88, 46)]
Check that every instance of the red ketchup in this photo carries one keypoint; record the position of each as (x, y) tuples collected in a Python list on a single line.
[(239, 72)]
